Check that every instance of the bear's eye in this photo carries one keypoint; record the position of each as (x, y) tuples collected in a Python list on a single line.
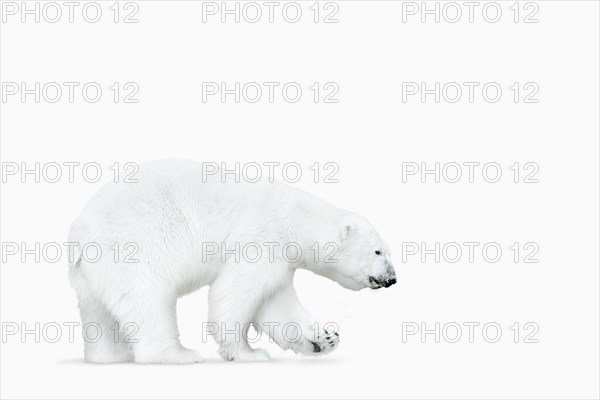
[(378, 252)]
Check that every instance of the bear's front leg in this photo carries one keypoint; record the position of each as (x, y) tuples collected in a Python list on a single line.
[(289, 325), (232, 302)]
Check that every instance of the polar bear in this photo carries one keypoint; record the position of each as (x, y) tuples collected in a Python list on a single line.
[(158, 239)]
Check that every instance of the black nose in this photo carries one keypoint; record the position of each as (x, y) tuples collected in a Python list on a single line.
[(389, 282)]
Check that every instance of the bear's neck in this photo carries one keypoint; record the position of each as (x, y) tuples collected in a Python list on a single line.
[(312, 220)]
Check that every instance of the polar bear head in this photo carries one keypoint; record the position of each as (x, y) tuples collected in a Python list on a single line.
[(361, 258)]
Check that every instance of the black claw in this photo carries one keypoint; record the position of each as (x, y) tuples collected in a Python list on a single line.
[(316, 347)]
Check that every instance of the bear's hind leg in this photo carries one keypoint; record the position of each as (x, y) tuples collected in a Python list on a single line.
[(106, 343), (156, 340)]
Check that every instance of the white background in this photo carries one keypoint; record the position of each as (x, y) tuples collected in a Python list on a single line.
[(369, 133)]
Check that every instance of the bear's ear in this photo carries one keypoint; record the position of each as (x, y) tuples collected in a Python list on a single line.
[(347, 230)]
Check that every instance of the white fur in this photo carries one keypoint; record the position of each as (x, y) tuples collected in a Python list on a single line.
[(169, 214)]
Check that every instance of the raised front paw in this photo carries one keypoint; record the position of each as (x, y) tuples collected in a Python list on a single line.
[(324, 342)]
